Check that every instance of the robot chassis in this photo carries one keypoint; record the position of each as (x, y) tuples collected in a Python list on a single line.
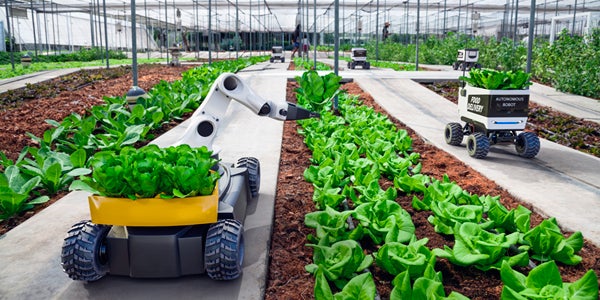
[(492, 117), (90, 251)]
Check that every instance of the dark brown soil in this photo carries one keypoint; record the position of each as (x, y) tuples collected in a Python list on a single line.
[(287, 278)]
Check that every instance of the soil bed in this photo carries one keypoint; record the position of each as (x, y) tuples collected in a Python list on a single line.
[(288, 255), (287, 278)]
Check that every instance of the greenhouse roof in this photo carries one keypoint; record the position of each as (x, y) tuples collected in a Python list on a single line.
[(356, 15)]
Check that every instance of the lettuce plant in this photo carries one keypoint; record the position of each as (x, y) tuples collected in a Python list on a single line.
[(476, 247), (546, 242), (150, 171), (514, 220), (332, 225), (429, 287), (446, 215), (498, 80), (385, 221), (15, 192), (340, 261), (56, 170), (372, 192), (360, 287), (443, 190), (316, 91), (396, 258), (545, 282)]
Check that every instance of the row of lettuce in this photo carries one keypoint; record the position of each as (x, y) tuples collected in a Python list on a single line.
[(351, 152), (570, 63), (64, 151)]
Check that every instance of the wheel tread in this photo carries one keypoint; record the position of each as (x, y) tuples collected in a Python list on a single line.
[(478, 145), (224, 243), (78, 256)]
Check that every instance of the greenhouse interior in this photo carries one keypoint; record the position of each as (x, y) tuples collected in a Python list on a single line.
[(300, 149), (244, 24)]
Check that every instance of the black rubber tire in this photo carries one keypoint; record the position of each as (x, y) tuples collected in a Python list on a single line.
[(455, 65), (84, 253), (271, 60), (224, 250), (367, 65), (478, 145), (352, 66), (527, 144), (453, 134), (283, 59), (349, 65), (253, 166)]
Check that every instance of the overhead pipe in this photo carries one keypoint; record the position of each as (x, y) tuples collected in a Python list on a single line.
[(336, 45), (377, 32), (98, 27), (530, 39), (417, 37), (135, 92), (12, 57), (237, 30), (574, 14), (35, 45), (516, 22), (315, 34), (146, 24), (106, 35), (167, 30), (210, 37), (99, 35)]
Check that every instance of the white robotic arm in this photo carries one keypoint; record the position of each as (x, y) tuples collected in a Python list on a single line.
[(206, 119)]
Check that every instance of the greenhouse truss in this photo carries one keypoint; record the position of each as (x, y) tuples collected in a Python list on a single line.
[(223, 24)]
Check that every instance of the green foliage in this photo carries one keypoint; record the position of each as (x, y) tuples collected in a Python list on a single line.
[(446, 215), (316, 92), (427, 287), (476, 247), (150, 171), (570, 64), (332, 226), (56, 170), (15, 190), (360, 287), (81, 55), (414, 258), (302, 64), (546, 242), (385, 221), (545, 282), (340, 261), (514, 220), (497, 80)]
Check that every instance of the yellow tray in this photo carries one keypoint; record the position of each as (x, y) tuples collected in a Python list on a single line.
[(155, 211)]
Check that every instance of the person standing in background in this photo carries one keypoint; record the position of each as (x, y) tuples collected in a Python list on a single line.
[(305, 46), (296, 40), (386, 31)]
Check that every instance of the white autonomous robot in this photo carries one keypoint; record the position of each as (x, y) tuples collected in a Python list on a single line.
[(91, 250)]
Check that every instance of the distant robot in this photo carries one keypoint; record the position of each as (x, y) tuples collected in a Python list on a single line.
[(277, 54), (359, 57), (466, 60)]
